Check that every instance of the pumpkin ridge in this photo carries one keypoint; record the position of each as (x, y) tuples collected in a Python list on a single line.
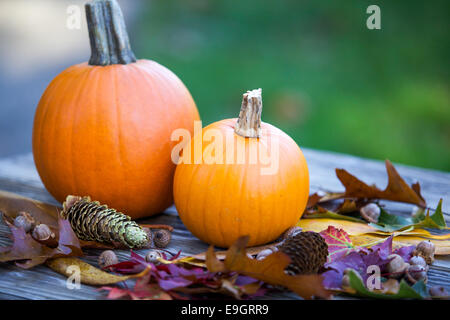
[(180, 86), (194, 175), (259, 210), (150, 75), (281, 182), (53, 123), (204, 200), (172, 92), (118, 127), (220, 221), (153, 74), (76, 113), (38, 121), (188, 194), (46, 108), (275, 186), (95, 97), (242, 183)]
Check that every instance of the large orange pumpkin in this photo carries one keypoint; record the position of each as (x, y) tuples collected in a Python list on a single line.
[(227, 194), (103, 129)]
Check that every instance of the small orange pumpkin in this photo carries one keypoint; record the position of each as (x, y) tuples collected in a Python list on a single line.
[(103, 129), (227, 194)]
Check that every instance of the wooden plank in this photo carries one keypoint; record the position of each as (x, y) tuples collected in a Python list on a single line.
[(18, 175)]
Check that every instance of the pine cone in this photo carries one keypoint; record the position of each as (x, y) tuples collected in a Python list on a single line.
[(308, 252), (92, 221)]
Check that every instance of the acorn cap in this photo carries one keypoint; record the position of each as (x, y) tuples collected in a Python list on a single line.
[(161, 238), (308, 252)]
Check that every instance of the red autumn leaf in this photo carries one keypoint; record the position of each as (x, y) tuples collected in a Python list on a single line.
[(339, 243), (180, 282)]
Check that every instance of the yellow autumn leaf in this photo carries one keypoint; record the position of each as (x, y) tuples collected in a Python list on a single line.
[(363, 234), (88, 273)]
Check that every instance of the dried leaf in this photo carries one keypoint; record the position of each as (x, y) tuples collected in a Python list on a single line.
[(396, 190), (404, 291), (338, 241), (442, 245), (363, 234), (27, 252), (88, 273), (388, 222), (24, 248), (313, 200), (321, 213), (352, 228), (358, 260), (270, 270), (182, 282), (150, 292), (11, 204), (197, 258)]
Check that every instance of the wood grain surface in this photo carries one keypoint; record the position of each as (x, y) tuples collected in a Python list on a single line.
[(18, 174)]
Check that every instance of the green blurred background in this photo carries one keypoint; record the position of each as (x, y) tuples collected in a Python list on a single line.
[(327, 80)]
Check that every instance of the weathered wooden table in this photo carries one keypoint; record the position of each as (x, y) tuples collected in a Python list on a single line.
[(18, 174)]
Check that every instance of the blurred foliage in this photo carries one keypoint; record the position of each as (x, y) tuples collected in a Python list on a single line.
[(327, 80)]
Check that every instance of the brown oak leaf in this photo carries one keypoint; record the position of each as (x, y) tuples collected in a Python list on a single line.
[(396, 190), (27, 252), (269, 270)]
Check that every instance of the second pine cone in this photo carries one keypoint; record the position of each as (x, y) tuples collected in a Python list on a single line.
[(308, 252)]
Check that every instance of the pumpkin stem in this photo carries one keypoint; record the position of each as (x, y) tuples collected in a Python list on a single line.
[(249, 121), (107, 34)]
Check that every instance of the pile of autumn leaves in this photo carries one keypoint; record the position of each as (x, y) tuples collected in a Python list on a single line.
[(236, 272)]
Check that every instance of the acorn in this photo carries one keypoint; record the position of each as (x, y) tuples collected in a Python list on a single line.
[(418, 261), (161, 238), (152, 256), (92, 221), (25, 221), (425, 249), (439, 292), (149, 233), (42, 232), (308, 252), (370, 212), (416, 273), (107, 258), (396, 267)]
